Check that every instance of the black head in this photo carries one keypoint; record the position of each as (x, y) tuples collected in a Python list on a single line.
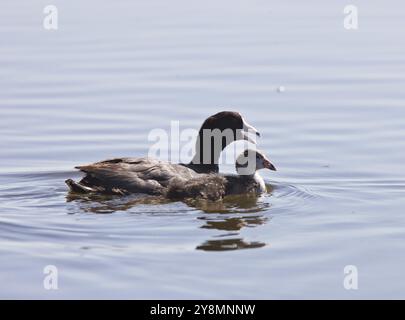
[(217, 132), (229, 120), (223, 120)]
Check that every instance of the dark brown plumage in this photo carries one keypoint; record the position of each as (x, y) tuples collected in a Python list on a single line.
[(212, 187), (205, 186), (130, 175)]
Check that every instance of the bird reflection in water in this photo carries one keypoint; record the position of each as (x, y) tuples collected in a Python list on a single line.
[(229, 244), (110, 204), (229, 215)]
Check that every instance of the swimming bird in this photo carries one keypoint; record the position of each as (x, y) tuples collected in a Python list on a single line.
[(151, 176), (215, 187)]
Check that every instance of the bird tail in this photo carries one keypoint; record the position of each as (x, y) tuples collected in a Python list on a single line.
[(77, 187)]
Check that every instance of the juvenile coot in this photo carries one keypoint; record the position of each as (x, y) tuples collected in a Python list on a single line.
[(216, 186)]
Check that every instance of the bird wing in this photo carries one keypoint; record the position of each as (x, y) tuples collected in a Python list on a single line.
[(134, 174)]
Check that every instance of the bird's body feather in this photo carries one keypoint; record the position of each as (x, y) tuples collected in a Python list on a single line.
[(133, 175)]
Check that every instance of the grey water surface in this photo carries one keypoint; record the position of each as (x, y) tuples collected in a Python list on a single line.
[(115, 70)]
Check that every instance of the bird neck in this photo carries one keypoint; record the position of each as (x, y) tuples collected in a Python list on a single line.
[(207, 153)]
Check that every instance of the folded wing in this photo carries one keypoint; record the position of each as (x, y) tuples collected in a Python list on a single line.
[(131, 175)]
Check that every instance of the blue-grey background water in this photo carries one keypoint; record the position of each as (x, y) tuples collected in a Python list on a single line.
[(114, 70)]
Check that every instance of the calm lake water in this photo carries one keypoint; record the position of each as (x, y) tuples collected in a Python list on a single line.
[(112, 72)]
